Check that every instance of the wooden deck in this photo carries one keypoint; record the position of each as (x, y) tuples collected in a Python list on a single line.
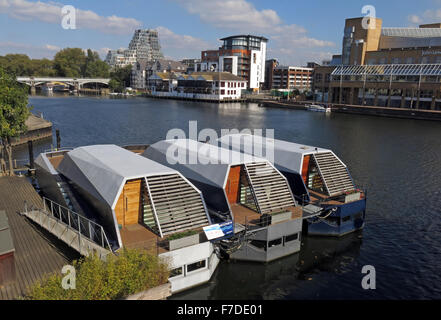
[(243, 215), (37, 252), (316, 196), (136, 236)]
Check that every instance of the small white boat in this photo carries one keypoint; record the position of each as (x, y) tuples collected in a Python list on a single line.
[(318, 108)]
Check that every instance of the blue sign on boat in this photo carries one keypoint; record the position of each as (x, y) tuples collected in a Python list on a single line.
[(227, 228), (219, 231)]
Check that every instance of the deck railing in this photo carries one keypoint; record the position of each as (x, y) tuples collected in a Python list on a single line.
[(83, 226)]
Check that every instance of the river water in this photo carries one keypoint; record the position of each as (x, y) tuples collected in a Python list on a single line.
[(398, 161)]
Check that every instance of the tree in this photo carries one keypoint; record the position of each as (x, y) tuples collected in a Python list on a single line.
[(14, 112), (95, 67), (70, 62), (120, 78)]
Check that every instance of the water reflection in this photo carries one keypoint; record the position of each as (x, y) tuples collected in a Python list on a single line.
[(287, 276)]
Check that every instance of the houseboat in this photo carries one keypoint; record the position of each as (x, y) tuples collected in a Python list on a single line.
[(139, 203), (316, 176), (242, 188)]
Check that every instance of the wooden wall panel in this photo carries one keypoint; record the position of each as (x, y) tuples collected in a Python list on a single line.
[(232, 187), (305, 167), (132, 193), (128, 207)]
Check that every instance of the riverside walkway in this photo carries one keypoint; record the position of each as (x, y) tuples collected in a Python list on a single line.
[(37, 252)]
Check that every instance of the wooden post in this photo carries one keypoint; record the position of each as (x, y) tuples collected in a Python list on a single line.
[(57, 132), (31, 154)]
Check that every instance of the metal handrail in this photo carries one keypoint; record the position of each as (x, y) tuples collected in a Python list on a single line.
[(58, 150), (75, 222)]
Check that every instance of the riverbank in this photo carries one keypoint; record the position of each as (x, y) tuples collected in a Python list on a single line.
[(417, 114)]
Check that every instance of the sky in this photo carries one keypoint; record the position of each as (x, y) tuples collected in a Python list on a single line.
[(298, 31)]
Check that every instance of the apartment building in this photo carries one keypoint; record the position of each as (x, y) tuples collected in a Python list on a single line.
[(242, 55), (289, 77)]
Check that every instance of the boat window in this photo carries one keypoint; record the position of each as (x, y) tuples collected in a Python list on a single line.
[(315, 181), (176, 272), (196, 266), (333, 220), (358, 215), (259, 244), (291, 237), (274, 243)]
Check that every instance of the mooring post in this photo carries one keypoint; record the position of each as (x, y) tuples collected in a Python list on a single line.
[(31, 154), (57, 132)]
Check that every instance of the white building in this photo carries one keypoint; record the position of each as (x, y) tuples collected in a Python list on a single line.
[(242, 55), (143, 46), (213, 86)]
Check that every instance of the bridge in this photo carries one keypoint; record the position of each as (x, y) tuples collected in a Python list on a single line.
[(76, 83)]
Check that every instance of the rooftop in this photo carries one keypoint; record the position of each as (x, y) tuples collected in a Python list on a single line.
[(411, 32), (245, 36), (389, 69)]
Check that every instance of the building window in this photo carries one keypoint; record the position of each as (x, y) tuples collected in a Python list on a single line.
[(196, 266), (223, 84), (291, 237), (260, 244), (274, 243), (222, 91), (176, 272)]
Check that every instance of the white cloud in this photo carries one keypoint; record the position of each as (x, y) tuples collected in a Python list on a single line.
[(179, 46), (429, 16), (288, 42), (38, 52), (51, 13), (233, 14)]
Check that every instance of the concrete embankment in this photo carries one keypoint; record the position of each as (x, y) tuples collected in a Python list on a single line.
[(37, 128), (363, 110)]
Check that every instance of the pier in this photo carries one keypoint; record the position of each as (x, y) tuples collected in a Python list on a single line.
[(37, 252), (37, 128)]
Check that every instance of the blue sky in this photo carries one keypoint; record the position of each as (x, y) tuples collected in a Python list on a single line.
[(298, 31)]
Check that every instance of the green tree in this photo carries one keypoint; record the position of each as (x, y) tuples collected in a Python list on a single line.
[(18, 64), (14, 112), (70, 62), (130, 272), (120, 78), (95, 67)]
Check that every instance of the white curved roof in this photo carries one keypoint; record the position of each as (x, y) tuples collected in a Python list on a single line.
[(103, 169), (283, 154), (202, 161)]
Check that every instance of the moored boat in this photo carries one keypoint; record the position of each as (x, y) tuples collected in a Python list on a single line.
[(318, 108), (242, 188), (140, 204), (317, 177)]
